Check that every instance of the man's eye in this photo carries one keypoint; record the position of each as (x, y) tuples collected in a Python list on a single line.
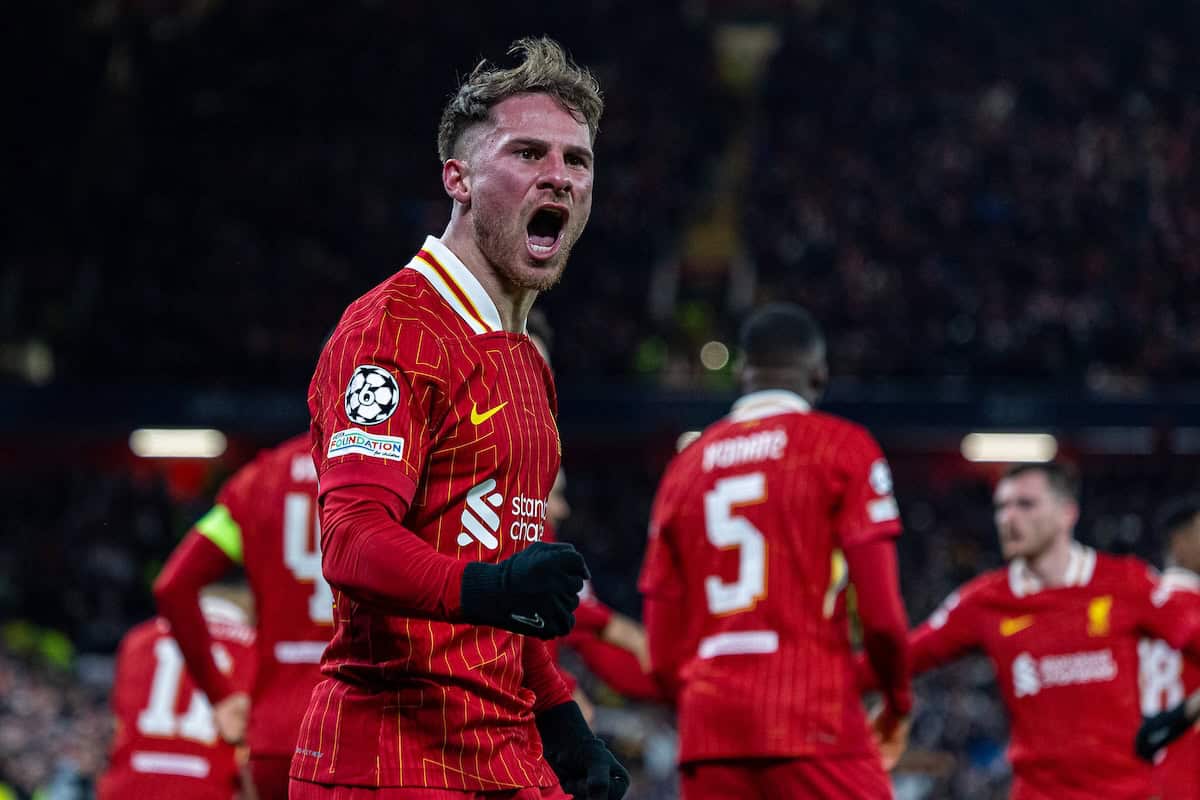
[(527, 152)]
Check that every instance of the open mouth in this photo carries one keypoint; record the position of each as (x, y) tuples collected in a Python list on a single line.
[(544, 231)]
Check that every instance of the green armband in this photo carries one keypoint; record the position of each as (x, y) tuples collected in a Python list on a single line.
[(220, 528)]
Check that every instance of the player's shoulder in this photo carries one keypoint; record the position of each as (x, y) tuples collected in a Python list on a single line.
[(1176, 579), (139, 640), (987, 587), (1122, 571), (993, 583), (846, 433), (385, 333), (402, 304), (290, 461)]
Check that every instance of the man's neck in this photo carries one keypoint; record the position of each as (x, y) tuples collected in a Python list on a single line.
[(1050, 566), (512, 303)]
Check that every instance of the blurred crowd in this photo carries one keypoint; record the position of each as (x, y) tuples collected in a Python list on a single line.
[(1009, 188), (54, 726)]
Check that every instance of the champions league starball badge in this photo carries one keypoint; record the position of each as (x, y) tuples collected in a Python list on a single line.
[(371, 396)]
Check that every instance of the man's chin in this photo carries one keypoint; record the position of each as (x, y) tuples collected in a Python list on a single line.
[(1010, 553), (538, 276)]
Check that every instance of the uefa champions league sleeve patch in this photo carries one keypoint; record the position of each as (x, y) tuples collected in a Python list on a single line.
[(372, 395)]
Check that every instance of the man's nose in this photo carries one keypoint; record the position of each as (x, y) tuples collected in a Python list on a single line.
[(554, 174)]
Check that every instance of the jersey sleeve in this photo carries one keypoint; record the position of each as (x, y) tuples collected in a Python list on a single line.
[(195, 563), (949, 633), (1165, 612), (664, 599), (232, 513), (542, 676), (867, 509), (376, 400), (660, 575), (592, 616)]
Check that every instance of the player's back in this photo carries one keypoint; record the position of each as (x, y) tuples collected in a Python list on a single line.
[(166, 744), (754, 514), (1166, 678), (275, 501)]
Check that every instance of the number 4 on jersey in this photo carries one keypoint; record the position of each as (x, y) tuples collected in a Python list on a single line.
[(302, 553)]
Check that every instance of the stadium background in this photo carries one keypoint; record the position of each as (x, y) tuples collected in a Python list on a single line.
[(993, 208)]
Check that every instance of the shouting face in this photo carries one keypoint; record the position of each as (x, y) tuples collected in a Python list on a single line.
[(526, 185), (1030, 515)]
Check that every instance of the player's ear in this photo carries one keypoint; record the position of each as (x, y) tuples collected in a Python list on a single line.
[(1071, 512), (456, 180)]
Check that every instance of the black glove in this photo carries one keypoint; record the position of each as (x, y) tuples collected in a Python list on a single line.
[(1160, 730), (584, 766), (533, 592)]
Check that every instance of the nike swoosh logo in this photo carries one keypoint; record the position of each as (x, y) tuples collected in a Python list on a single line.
[(1015, 624), (479, 419), (535, 621)]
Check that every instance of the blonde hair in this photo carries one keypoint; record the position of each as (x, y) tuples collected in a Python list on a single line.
[(544, 68)]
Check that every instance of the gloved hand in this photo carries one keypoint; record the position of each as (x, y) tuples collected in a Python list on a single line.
[(584, 766), (533, 592), (1160, 730)]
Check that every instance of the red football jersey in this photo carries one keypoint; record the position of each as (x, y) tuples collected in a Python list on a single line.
[(266, 520), (421, 391), (166, 744), (1167, 678), (746, 536), (1066, 662)]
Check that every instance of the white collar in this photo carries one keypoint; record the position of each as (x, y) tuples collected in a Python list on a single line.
[(768, 403), (1080, 567), (461, 290), (1180, 578)]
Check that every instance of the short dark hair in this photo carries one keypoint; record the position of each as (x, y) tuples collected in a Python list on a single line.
[(544, 68), (1177, 513), (775, 334), (1062, 479)]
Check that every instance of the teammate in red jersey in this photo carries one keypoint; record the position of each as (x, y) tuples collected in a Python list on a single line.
[(1167, 679), (612, 645), (265, 519), (434, 435), (1061, 625), (756, 528), (166, 745)]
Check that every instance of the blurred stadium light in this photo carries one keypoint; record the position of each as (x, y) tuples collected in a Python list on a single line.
[(177, 443), (1009, 447)]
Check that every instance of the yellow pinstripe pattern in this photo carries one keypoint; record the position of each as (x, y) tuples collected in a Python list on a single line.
[(435, 356)]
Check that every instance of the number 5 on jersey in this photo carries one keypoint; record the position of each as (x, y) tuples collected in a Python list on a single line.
[(302, 553)]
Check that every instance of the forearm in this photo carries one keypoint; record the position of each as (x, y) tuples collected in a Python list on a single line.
[(592, 616), (372, 558), (875, 574), (195, 563), (664, 631), (617, 667), (542, 676)]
